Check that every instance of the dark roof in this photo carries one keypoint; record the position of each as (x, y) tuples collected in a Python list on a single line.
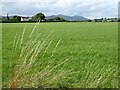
[(25, 17)]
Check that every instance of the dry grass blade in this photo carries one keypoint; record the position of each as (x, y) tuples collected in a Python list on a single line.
[(14, 41), (56, 47), (17, 42), (21, 41), (34, 29), (27, 57), (47, 48)]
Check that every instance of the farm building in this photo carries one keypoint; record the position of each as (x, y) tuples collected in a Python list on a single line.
[(25, 18)]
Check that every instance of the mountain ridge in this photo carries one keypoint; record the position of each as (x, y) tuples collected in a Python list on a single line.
[(69, 18)]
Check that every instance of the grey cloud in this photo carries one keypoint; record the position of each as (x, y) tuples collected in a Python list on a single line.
[(87, 9)]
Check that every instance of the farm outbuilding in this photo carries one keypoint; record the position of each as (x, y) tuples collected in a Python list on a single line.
[(25, 18)]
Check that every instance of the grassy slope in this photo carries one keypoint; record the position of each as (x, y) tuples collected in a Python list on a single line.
[(90, 44)]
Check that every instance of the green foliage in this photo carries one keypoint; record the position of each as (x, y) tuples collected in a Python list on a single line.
[(57, 19), (106, 20), (16, 19), (38, 16)]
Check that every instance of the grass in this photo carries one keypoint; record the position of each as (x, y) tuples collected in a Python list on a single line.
[(1, 56), (82, 55)]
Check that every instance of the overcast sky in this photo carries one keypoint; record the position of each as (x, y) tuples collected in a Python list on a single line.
[(86, 8)]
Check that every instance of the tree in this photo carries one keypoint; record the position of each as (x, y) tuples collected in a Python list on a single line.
[(8, 17), (89, 20), (16, 18), (57, 19), (38, 17)]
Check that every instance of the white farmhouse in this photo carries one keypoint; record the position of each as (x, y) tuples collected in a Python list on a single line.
[(25, 18)]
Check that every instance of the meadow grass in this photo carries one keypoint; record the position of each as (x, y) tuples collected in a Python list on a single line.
[(82, 55), (0, 56)]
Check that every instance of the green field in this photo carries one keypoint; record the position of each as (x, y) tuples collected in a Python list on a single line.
[(78, 54)]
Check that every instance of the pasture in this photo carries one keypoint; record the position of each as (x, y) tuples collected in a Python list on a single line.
[(63, 54)]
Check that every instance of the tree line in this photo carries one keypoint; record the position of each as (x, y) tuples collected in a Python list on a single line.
[(41, 18)]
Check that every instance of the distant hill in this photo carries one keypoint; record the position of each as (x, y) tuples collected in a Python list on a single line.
[(69, 18)]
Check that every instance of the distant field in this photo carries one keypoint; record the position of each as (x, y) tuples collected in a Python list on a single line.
[(77, 54)]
